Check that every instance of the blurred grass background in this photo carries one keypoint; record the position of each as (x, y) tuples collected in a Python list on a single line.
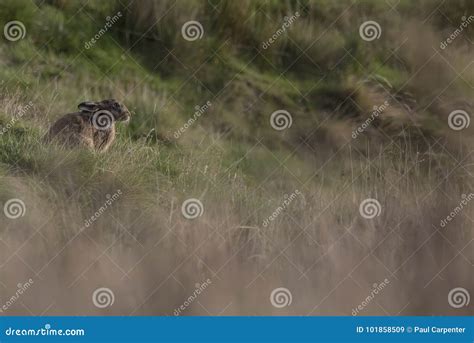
[(320, 71)]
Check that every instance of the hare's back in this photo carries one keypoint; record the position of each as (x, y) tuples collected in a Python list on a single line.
[(71, 123)]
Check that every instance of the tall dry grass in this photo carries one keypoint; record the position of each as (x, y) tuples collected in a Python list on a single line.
[(320, 247)]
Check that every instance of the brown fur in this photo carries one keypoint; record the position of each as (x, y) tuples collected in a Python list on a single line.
[(83, 129)]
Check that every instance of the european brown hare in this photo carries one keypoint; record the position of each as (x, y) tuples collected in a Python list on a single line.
[(93, 126)]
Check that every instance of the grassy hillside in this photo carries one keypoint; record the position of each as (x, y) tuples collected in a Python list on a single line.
[(201, 128)]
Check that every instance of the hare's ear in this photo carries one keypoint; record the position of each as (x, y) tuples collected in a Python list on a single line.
[(87, 106)]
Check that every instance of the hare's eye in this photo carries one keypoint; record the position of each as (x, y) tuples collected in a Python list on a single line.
[(117, 106)]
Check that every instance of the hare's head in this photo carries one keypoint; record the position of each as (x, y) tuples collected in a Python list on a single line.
[(119, 111)]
